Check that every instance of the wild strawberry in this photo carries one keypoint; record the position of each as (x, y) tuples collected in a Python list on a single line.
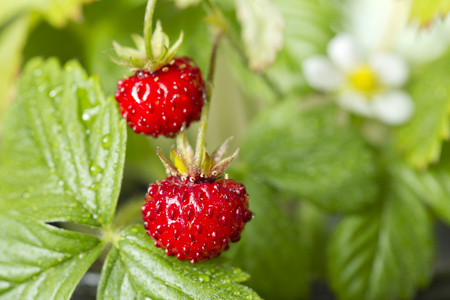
[(195, 220), (193, 213), (166, 92), (160, 102)]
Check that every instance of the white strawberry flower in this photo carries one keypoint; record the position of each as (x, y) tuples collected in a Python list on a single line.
[(369, 85)]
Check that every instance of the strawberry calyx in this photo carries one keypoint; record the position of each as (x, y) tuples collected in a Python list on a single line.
[(152, 51), (184, 165)]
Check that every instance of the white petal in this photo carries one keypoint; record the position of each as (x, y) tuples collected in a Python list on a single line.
[(393, 108), (344, 52), (320, 73), (355, 102), (391, 68), (422, 46)]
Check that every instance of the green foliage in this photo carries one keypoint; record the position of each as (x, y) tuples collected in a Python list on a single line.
[(37, 258), (421, 138), (384, 253), (298, 149), (136, 269), (270, 248), (12, 40), (424, 11), (63, 147), (56, 12), (62, 160), (312, 224), (432, 186)]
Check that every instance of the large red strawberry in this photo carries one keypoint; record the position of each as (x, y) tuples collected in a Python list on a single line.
[(165, 93), (160, 102), (194, 214)]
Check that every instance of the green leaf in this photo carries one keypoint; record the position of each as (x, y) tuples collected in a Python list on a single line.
[(304, 151), (421, 138), (56, 12), (312, 224), (12, 40), (136, 269), (385, 253), (40, 261), (63, 149), (262, 31), (270, 248), (432, 186), (424, 11)]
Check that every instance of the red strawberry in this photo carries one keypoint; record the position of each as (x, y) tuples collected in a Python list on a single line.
[(165, 92), (160, 102), (195, 220), (194, 214)]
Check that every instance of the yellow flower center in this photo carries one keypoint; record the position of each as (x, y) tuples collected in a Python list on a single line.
[(364, 79)]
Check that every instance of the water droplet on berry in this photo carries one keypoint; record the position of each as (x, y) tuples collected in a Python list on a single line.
[(173, 213), (223, 220), (214, 235), (247, 216), (224, 241), (159, 229), (236, 236), (176, 233), (169, 246), (191, 237), (210, 212), (151, 215), (185, 250), (199, 228), (201, 196), (185, 197), (238, 213), (159, 207), (189, 213), (180, 256), (152, 190)]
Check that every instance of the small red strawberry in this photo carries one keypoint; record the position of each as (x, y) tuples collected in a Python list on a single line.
[(193, 213), (160, 102), (165, 92)]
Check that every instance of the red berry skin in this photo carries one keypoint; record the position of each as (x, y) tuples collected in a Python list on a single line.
[(159, 102), (195, 221)]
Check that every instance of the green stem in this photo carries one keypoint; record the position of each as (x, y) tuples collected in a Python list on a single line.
[(205, 111), (148, 27)]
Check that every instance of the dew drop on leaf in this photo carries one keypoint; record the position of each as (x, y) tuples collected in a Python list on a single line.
[(204, 278), (95, 169), (106, 141)]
